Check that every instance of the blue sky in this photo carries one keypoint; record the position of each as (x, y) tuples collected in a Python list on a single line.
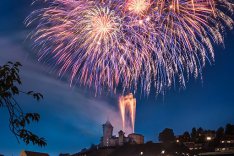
[(71, 117)]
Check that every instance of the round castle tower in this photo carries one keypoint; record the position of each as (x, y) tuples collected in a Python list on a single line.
[(107, 133)]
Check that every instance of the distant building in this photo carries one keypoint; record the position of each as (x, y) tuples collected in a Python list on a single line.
[(30, 153), (193, 146), (136, 138), (226, 144), (209, 135), (108, 140)]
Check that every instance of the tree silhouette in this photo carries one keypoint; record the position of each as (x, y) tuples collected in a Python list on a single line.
[(229, 130), (219, 135), (200, 136), (167, 135), (194, 134), (18, 120), (185, 137)]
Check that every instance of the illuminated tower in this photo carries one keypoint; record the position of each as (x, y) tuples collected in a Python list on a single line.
[(121, 138), (107, 133)]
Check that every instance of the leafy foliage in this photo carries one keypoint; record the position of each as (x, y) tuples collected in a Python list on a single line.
[(167, 135), (229, 130), (18, 120), (185, 137)]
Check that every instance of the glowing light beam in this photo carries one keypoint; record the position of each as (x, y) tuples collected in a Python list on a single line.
[(127, 104)]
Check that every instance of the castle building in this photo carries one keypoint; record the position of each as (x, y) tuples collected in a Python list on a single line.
[(107, 134), (108, 140)]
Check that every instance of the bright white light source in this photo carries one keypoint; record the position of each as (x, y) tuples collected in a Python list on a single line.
[(208, 138), (162, 152), (141, 153)]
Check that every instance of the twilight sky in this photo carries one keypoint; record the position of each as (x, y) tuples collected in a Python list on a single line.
[(71, 118)]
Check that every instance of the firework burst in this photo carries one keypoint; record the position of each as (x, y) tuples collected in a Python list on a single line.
[(130, 43), (138, 7)]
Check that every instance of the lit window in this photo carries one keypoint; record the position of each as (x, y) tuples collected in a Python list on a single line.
[(208, 138)]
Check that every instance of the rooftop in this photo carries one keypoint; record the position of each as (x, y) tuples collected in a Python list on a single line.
[(30, 153), (107, 123)]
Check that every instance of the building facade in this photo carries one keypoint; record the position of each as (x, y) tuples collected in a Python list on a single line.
[(226, 144), (108, 140)]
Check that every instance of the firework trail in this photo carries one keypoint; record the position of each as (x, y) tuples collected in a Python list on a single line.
[(130, 44), (127, 105)]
